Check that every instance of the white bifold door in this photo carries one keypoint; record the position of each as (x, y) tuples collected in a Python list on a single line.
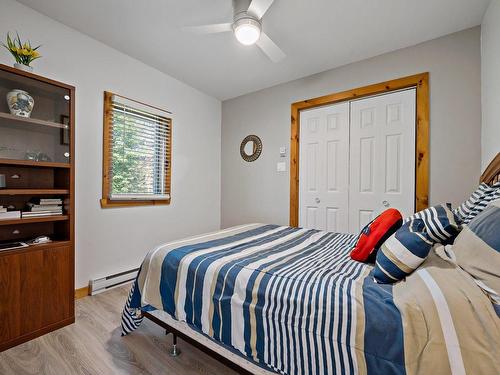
[(324, 168), (356, 159)]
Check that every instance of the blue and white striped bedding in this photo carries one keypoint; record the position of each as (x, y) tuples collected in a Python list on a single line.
[(292, 301), (477, 202)]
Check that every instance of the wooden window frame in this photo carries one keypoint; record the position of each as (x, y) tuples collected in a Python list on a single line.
[(418, 81), (106, 156)]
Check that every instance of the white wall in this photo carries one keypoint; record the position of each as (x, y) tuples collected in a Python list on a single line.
[(256, 192), (490, 79), (112, 240)]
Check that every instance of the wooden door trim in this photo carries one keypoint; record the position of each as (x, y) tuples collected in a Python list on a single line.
[(82, 292), (420, 82)]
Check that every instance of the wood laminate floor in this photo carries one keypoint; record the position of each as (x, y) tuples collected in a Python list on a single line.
[(93, 345)]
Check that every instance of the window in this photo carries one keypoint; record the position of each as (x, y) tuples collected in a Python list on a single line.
[(136, 153)]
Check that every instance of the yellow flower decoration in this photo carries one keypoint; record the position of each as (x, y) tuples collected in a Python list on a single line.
[(22, 52)]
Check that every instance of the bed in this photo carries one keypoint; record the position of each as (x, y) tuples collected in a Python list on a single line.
[(268, 299)]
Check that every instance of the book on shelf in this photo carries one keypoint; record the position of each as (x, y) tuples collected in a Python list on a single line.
[(42, 207), (38, 207), (9, 215), (59, 209), (27, 214), (46, 201), (50, 201)]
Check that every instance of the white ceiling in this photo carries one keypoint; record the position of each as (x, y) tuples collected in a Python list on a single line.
[(316, 35)]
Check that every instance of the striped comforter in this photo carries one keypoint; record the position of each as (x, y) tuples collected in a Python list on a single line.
[(292, 301)]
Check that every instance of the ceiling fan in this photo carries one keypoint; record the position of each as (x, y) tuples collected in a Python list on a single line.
[(246, 26)]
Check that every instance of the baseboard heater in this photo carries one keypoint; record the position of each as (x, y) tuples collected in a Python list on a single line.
[(112, 281)]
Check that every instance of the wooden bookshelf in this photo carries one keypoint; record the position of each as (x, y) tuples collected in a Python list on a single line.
[(36, 247), (32, 163), (40, 276), (34, 191), (31, 121), (28, 220)]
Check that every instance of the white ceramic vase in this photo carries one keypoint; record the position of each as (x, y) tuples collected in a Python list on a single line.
[(26, 68), (20, 103)]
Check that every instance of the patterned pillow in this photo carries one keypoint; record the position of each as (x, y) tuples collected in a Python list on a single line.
[(375, 233), (477, 251), (477, 202), (441, 224), (465, 208), (403, 252)]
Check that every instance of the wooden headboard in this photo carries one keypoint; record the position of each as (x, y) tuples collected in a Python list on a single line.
[(492, 173)]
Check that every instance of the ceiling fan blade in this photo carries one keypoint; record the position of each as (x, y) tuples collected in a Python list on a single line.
[(259, 7), (210, 29), (270, 48)]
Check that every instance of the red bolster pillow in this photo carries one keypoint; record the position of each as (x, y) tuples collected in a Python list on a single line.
[(375, 233)]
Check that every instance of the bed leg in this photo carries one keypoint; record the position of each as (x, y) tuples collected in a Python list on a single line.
[(174, 350)]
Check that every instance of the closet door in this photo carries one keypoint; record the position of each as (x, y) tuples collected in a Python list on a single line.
[(382, 156), (324, 168)]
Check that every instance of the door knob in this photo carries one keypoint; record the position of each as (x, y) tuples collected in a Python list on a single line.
[(386, 204), (317, 200)]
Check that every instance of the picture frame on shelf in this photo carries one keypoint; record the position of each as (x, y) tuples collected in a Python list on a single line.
[(65, 133)]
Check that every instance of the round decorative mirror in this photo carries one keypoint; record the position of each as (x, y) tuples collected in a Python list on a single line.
[(250, 148)]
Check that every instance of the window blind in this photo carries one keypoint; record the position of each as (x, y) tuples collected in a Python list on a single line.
[(139, 152)]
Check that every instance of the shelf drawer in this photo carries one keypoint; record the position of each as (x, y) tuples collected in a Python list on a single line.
[(37, 291)]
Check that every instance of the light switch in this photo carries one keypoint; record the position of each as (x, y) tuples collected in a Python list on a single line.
[(281, 167), (282, 152)]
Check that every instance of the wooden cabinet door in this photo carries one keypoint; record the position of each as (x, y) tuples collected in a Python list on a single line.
[(10, 297), (36, 292), (58, 290)]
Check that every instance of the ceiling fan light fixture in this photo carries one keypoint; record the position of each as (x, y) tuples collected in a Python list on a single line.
[(247, 31)]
